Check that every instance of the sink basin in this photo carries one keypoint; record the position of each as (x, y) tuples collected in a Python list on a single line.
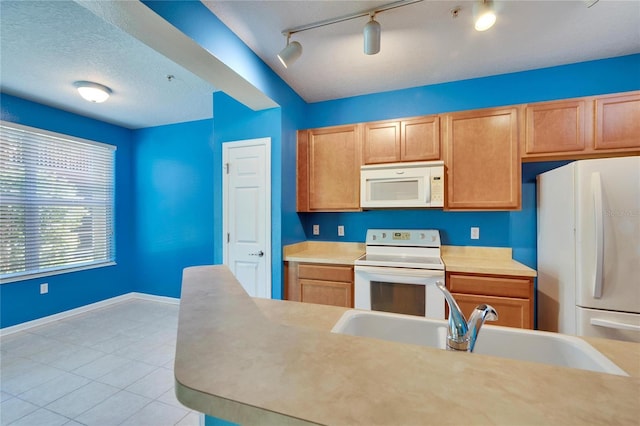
[(506, 342)]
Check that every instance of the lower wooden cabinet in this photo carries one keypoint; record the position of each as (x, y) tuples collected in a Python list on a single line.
[(512, 297), (319, 283)]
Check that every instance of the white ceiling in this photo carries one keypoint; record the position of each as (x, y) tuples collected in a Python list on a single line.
[(422, 44), (47, 45)]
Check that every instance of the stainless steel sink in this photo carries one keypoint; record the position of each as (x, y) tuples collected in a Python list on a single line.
[(506, 342)]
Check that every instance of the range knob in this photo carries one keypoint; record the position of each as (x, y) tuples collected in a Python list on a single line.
[(422, 236)]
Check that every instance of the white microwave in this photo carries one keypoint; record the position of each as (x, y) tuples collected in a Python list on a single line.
[(398, 185)]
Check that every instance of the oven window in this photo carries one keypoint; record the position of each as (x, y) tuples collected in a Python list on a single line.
[(398, 298)]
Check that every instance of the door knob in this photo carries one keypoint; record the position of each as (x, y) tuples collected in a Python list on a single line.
[(259, 254)]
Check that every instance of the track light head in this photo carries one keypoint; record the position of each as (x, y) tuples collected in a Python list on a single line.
[(371, 34), (484, 15), (290, 53)]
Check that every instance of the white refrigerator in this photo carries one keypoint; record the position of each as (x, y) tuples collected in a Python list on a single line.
[(589, 248)]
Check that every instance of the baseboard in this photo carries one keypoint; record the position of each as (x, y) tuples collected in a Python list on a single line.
[(86, 308)]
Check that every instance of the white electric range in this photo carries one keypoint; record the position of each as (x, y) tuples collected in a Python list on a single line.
[(398, 273)]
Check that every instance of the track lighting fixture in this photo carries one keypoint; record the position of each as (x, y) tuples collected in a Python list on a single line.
[(371, 35), (484, 15), (371, 32), (290, 53)]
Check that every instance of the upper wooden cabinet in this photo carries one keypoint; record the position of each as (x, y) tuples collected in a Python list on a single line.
[(582, 128), (328, 169), (415, 139), (553, 127), (481, 158), (617, 124)]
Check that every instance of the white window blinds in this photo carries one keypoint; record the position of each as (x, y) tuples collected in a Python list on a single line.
[(56, 203)]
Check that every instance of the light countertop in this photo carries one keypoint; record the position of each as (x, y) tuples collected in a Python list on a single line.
[(257, 361), (479, 260), (483, 260), (323, 252)]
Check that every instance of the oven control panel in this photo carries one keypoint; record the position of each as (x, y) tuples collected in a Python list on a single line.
[(404, 237)]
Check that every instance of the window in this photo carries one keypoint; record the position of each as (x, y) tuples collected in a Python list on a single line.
[(56, 203)]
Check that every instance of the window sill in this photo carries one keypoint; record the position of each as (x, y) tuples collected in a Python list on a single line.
[(55, 272)]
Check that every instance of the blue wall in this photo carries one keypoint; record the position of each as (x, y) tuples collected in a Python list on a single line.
[(174, 214), (235, 122), (21, 301)]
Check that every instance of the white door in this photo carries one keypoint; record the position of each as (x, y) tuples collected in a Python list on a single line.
[(247, 213), (608, 234)]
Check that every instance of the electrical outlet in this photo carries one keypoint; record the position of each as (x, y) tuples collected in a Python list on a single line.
[(475, 233), (44, 288), (340, 231), (316, 229)]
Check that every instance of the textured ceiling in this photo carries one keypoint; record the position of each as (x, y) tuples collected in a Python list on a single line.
[(422, 44), (47, 45)]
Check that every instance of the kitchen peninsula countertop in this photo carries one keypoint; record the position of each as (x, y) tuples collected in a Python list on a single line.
[(257, 361)]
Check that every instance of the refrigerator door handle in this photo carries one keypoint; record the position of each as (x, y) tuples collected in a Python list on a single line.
[(614, 324), (596, 187)]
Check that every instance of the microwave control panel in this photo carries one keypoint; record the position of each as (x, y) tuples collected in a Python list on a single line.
[(437, 189)]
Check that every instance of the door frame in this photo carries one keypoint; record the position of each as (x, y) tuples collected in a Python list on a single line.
[(226, 146)]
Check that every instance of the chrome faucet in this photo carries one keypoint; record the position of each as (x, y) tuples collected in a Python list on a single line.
[(461, 336)]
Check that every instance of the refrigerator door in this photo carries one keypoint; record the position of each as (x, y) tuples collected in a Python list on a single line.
[(608, 234), (608, 324), (556, 250)]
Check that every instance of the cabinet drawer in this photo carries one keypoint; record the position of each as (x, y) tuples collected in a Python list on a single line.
[(490, 285), (326, 272)]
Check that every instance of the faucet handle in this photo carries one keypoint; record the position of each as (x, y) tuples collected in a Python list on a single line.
[(480, 314)]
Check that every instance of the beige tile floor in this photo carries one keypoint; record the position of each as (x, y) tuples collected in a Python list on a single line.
[(109, 366)]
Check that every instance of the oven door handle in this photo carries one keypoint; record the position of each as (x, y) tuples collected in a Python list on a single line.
[(406, 272)]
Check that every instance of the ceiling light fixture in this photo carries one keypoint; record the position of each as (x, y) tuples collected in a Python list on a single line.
[(371, 35), (484, 15), (291, 52), (93, 92)]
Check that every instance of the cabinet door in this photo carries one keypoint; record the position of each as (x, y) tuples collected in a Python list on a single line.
[(381, 142), (617, 122), (326, 292), (512, 312), (329, 162), (420, 139), (557, 127), (481, 157)]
